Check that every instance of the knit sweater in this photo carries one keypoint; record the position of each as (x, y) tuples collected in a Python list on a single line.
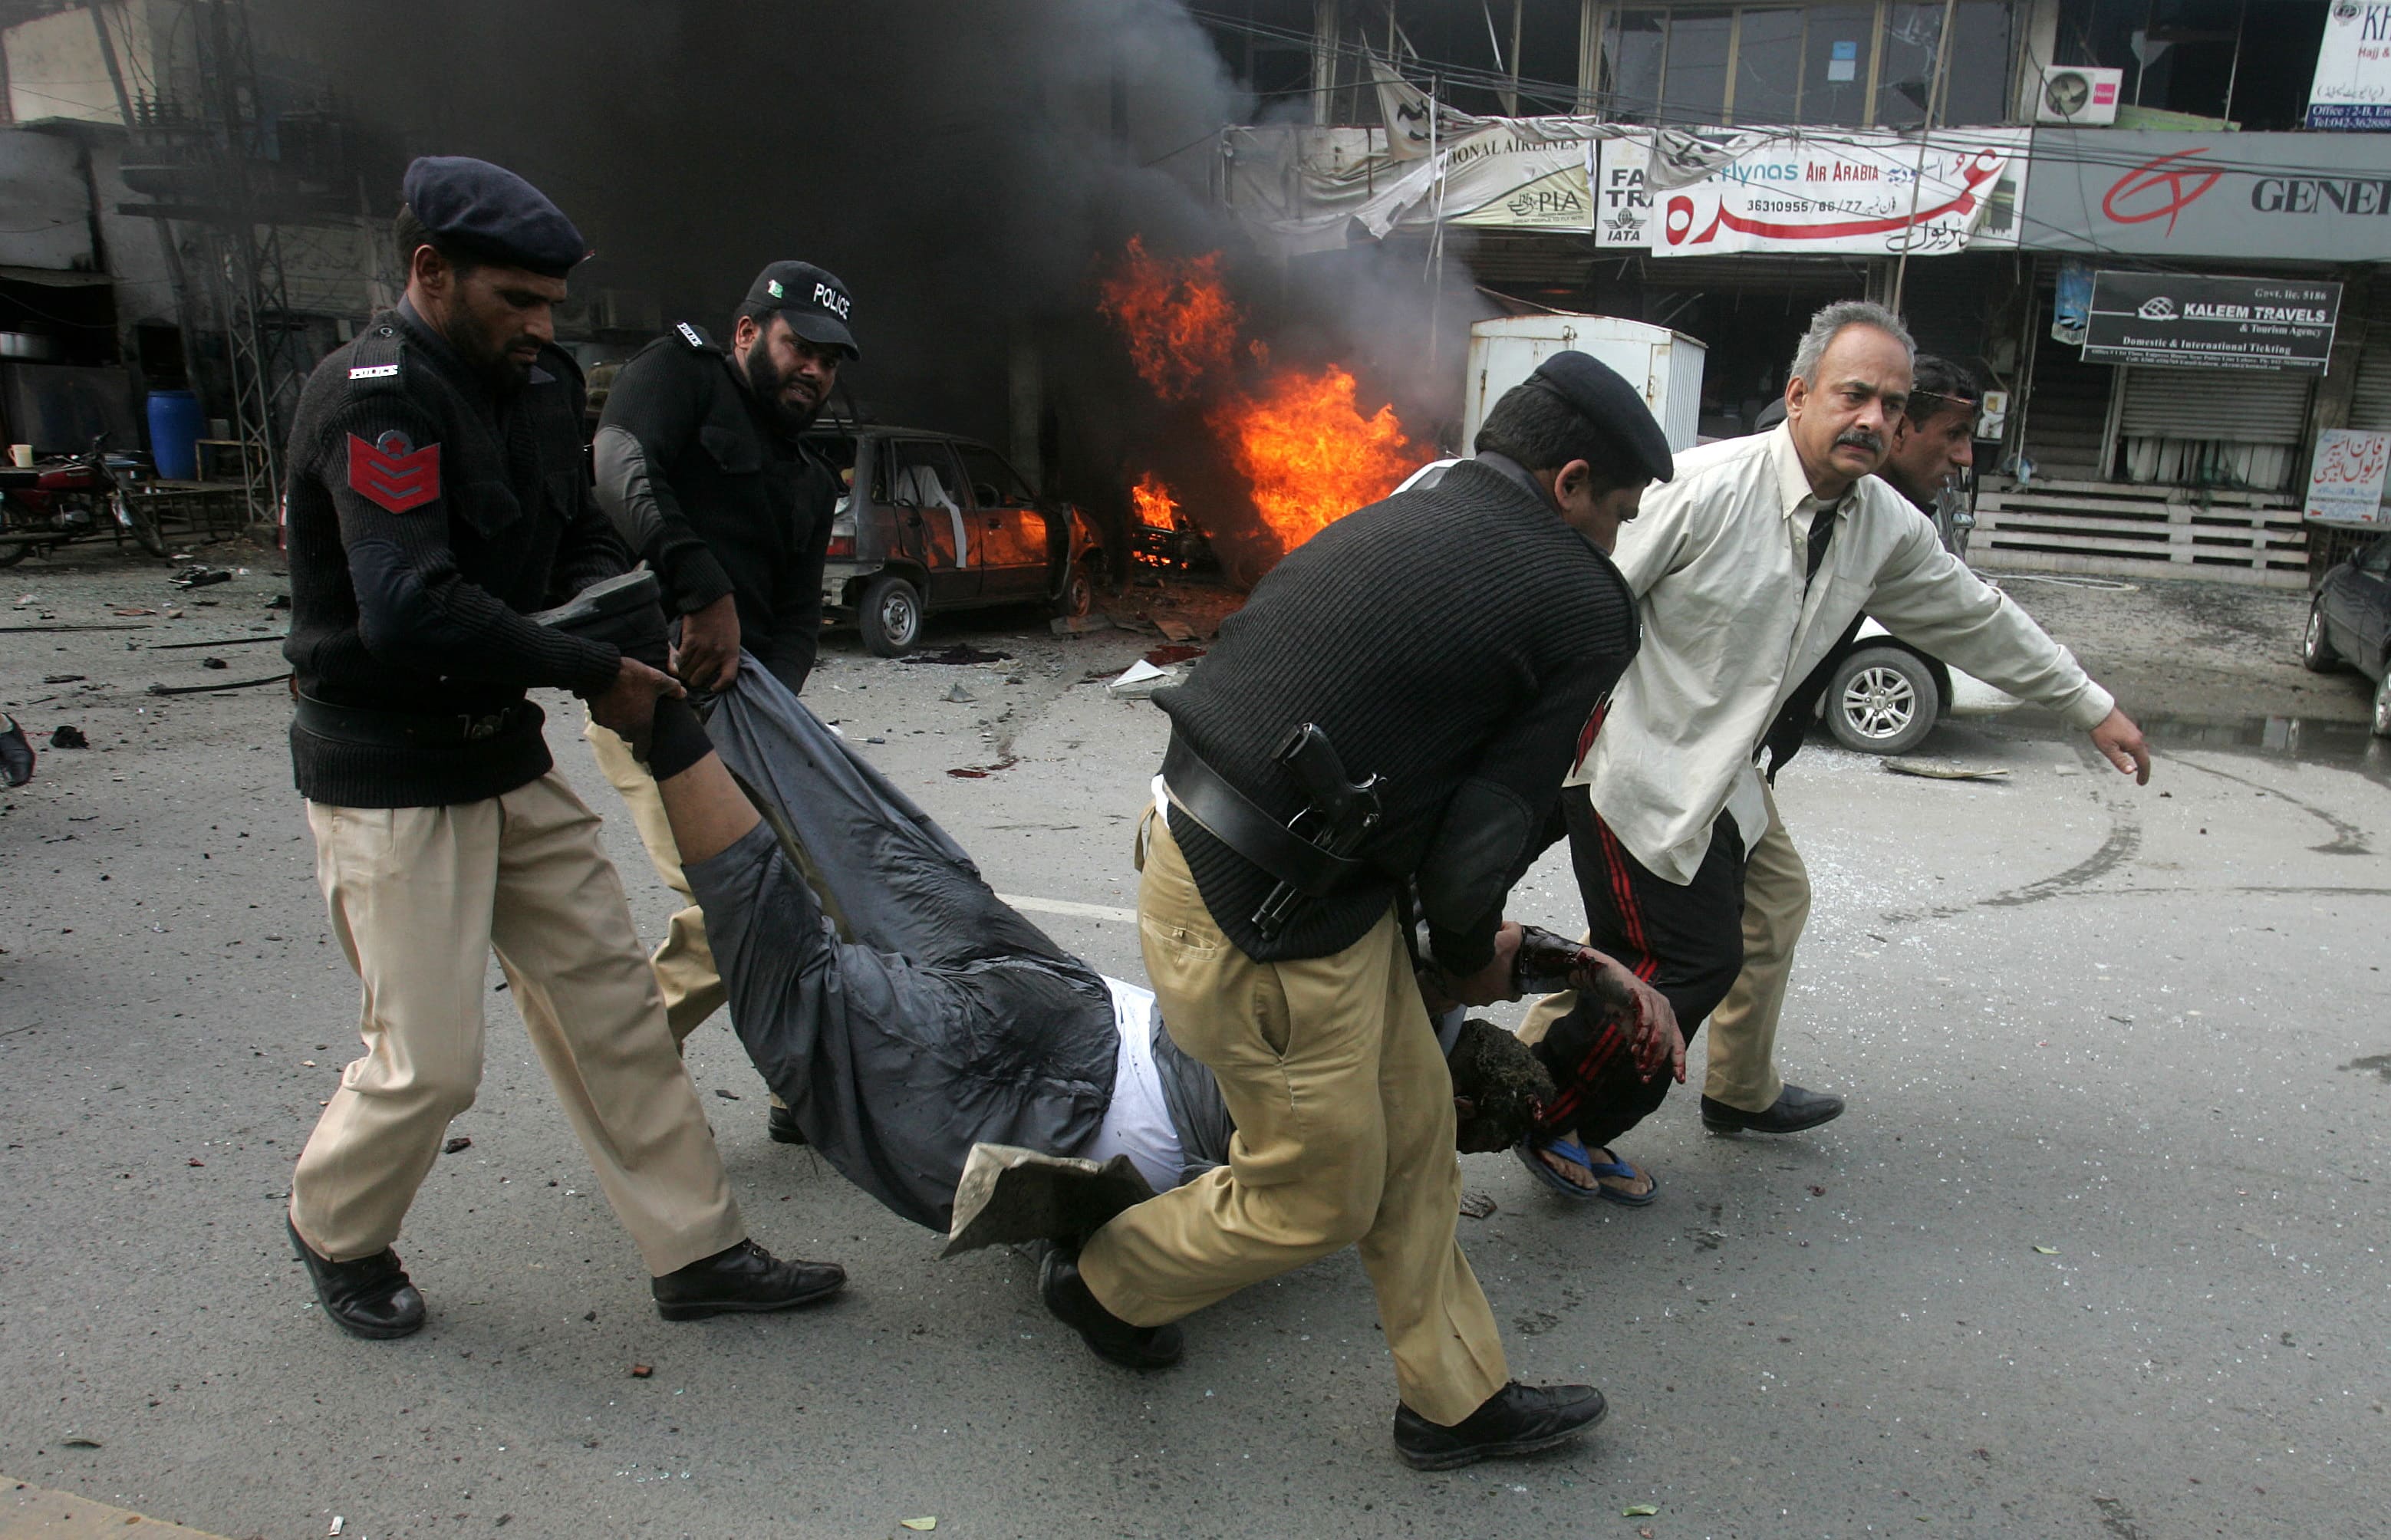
[(426, 513), (1453, 639)]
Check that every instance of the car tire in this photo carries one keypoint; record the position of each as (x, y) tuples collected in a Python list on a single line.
[(890, 615), (1079, 594), (2316, 651), (2382, 702), (1882, 700)]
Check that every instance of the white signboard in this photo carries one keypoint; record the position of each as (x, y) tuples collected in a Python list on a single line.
[(2353, 73), (2346, 478), (1513, 176), (1876, 194)]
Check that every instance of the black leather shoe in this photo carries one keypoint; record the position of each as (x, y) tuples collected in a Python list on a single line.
[(781, 1122), (745, 1277), (625, 609), (370, 1296), (1517, 1419), (1107, 1336), (1794, 1110)]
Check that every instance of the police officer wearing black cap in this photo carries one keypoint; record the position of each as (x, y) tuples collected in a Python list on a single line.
[(1452, 642), (703, 469), (437, 498)]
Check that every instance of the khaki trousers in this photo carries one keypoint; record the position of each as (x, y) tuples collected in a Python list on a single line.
[(419, 897), (1742, 1065), (684, 964), (1742, 1069), (1344, 1115)]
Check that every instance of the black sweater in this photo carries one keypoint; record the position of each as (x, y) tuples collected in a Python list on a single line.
[(703, 485), (1454, 639), (410, 570)]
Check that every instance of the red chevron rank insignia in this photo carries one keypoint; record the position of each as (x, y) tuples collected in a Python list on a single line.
[(393, 473)]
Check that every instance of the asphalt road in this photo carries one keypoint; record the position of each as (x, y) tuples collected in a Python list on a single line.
[(2099, 1250)]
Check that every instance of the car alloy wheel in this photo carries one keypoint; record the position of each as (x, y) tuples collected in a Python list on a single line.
[(2316, 652), (1882, 700), (1879, 703)]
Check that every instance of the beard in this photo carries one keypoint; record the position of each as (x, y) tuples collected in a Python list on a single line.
[(472, 346), (766, 381)]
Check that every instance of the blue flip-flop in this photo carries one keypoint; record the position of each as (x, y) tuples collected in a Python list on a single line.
[(1570, 1150)]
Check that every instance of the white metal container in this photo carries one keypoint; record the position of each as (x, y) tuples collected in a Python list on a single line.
[(1666, 365)]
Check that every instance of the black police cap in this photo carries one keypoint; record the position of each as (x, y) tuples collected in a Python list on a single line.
[(490, 213), (816, 303), (1598, 392)]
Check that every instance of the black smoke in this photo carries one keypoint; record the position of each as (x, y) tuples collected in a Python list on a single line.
[(966, 167)]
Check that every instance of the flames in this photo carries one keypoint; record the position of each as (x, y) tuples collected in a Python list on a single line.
[(1307, 451), (1181, 325)]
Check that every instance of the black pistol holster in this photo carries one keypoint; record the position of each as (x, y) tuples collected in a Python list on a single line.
[(1311, 857)]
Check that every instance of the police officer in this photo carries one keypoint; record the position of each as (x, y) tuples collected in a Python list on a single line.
[(702, 466), (436, 496), (1451, 640)]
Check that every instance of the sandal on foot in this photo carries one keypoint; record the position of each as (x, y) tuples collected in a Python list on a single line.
[(1531, 1154)]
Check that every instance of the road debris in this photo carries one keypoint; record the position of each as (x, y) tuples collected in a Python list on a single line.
[(214, 662), (926, 1522), (1163, 657), (961, 653), (981, 772), (212, 689), (201, 576), (64, 679), (80, 1443), (69, 736), (1065, 625), (453, 1145), (959, 696), (1477, 1205), (642, 1371), (339, 1525), (1140, 680), (1934, 770), (1638, 1510), (726, 1094)]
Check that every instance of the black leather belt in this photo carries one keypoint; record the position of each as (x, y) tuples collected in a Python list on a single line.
[(1231, 816), (350, 724)]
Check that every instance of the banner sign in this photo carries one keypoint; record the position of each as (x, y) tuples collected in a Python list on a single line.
[(1875, 194), (1509, 178), (2353, 73), (2177, 319), (2300, 197), (2346, 478)]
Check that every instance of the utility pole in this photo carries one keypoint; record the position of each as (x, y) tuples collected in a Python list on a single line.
[(1933, 110)]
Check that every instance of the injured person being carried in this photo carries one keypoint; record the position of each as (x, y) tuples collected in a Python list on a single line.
[(907, 1014)]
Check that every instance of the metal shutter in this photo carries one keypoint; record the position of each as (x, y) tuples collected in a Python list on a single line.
[(2370, 404), (2242, 406)]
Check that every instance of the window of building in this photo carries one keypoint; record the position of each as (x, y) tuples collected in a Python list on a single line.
[(1869, 64)]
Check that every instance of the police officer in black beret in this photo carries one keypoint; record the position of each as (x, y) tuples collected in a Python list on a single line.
[(1452, 640), (437, 497), (703, 466)]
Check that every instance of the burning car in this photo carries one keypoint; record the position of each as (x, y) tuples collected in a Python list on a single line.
[(927, 521)]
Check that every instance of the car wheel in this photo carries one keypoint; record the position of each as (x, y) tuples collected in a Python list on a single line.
[(1079, 594), (891, 616), (1882, 701), (2382, 702), (2316, 652)]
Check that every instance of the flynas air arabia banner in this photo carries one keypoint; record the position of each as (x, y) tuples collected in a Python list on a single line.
[(1872, 194)]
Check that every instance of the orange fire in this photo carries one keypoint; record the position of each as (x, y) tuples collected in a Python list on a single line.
[(1154, 503), (1300, 439), (1181, 324), (1309, 453)]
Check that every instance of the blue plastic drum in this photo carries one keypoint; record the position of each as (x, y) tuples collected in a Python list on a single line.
[(175, 429)]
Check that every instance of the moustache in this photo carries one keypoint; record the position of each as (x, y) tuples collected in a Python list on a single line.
[(1861, 438)]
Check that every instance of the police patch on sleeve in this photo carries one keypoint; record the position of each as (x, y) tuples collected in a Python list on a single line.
[(392, 473)]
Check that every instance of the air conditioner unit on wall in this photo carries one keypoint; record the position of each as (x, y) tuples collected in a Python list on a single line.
[(2085, 97)]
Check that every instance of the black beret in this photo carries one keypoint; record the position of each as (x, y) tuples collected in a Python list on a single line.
[(488, 211), (1603, 397)]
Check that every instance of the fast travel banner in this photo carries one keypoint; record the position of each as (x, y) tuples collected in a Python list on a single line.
[(1871, 194)]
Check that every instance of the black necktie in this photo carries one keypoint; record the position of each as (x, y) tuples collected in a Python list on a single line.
[(1822, 531)]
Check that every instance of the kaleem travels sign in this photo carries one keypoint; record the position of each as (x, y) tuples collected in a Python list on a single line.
[(2177, 319)]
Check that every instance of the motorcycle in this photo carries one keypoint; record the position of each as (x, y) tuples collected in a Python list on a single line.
[(68, 498)]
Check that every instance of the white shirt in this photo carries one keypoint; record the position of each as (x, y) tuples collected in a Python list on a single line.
[(1717, 560), (1138, 1122)]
